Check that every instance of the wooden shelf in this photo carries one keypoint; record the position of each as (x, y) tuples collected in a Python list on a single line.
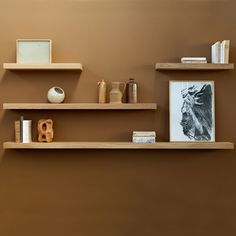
[(193, 66), (79, 106), (52, 66), (119, 145)]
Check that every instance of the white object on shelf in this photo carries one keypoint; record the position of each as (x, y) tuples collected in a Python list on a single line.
[(144, 139), (216, 53), (33, 51), (144, 134), (56, 95), (225, 52), (193, 60), (27, 131)]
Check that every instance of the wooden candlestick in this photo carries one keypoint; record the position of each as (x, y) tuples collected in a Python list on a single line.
[(102, 92)]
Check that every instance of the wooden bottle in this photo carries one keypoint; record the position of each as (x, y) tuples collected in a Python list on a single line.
[(102, 87)]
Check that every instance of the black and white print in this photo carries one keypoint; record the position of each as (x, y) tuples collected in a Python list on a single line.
[(192, 111)]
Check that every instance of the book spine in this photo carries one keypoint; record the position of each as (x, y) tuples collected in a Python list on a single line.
[(217, 52), (144, 134), (225, 52), (195, 62), (17, 131), (144, 139), (226, 47), (193, 59), (222, 53), (213, 54), (21, 128)]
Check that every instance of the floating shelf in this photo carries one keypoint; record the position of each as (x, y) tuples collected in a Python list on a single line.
[(52, 66), (193, 66), (119, 145), (79, 106)]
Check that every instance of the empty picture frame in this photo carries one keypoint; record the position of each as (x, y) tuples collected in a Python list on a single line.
[(192, 111), (33, 51)]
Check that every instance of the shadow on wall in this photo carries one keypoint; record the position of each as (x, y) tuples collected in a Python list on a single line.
[(36, 84), (134, 156)]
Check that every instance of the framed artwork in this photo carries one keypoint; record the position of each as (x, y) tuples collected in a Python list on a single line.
[(33, 51), (192, 111)]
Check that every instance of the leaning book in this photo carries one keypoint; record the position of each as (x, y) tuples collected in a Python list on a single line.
[(17, 131)]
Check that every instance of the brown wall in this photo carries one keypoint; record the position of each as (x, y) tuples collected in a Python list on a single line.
[(98, 193)]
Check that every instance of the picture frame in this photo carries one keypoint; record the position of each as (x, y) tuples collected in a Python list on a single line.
[(34, 51), (192, 111)]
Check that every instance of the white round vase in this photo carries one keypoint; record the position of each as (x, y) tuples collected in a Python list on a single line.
[(56, 95)]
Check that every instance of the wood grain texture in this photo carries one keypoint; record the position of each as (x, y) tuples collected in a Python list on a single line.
[(119, 145), (79, 106), (52, 66), (193, 66)]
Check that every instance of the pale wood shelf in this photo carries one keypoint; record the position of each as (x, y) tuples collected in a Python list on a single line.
[(193, 66), (119, 145), (52, 66), (79, 106)]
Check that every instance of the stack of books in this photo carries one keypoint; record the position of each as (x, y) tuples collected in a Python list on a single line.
[(23, 130), (144, 137), (220, 52), (195, 60)]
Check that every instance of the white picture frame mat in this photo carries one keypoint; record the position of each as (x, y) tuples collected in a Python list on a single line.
[(33, 51), (176, 117)]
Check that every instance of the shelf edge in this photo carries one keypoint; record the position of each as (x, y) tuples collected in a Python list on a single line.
[(121, 145), (79, 106), (52, 66), (193, 66)]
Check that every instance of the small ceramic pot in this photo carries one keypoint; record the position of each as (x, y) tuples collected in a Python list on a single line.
[(56, 95)]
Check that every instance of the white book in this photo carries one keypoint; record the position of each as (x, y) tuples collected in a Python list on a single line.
[(144, 133), (216, 53), (194, 62), (213, 54), (225, 52), (193, 59), (144, 139), (26, 131)]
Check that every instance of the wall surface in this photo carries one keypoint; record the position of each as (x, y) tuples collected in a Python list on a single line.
[(118, 193)]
